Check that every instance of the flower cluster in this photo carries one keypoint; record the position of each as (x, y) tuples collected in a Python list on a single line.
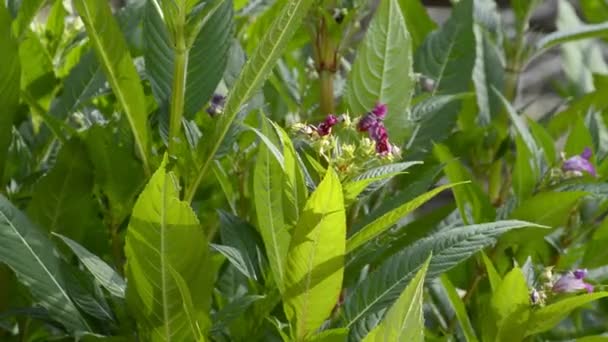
[(373, 123), (578, 164), (216, 105), (569, 282)]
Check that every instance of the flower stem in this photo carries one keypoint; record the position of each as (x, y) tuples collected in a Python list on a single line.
[(327, 92), (178, 93)]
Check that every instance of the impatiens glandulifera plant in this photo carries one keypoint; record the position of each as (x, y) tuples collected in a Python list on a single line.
[(300, 170)]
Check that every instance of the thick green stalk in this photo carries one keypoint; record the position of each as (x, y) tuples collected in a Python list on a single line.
[(327, 92), (178, 94)]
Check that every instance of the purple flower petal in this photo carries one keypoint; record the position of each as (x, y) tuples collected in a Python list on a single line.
[(580, 273), (587, 153), (580, 164), (569, 283)]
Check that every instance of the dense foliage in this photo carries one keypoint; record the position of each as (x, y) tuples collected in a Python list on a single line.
[(299, 170)]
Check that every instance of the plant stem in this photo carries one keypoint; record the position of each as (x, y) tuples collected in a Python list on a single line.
[(178, 93), (327, 92)]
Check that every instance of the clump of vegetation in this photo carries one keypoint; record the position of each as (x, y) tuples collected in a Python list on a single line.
[(299, 170)]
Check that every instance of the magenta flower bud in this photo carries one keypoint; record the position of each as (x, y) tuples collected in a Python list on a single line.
[(383, 147), (324, 127), (572, 282), (580, 163), (380, 110)]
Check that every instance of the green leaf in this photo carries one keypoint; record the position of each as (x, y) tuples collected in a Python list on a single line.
[(578, 139), (468, 197), (10, 76), (544, 139), (382, 71), (33, 258), (27, 13), (431, 106), (582, 58), (523, 9), (511, 306), (253, 75), (595, 11), (205, 69), (525, 176), (242, 237), (315, 262), (331, 335), (549, 316), (447, 54), (372, 296), (112, 52), (82, 84), (373, 179), (404, 321), (548, 208), (488, 73), (459, 309), (493, 275), (103, 273), (268, 200), (164, 236), (62, 201), (419, 23), (118, 174), (387, 220), (295, 191), (574, 34)]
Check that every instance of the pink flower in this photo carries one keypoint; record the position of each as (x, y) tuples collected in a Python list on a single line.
[(380, 110), (324, 127)]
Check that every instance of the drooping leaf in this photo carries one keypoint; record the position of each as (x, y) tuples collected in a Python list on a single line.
[(103, 273), (382, 71), (315, 262), (112, 52), (34, 259), (369, 300), (253, 75), (10, 71), (404, 321), (268, 200), (384, 222), (547, 317), (163, 237)]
